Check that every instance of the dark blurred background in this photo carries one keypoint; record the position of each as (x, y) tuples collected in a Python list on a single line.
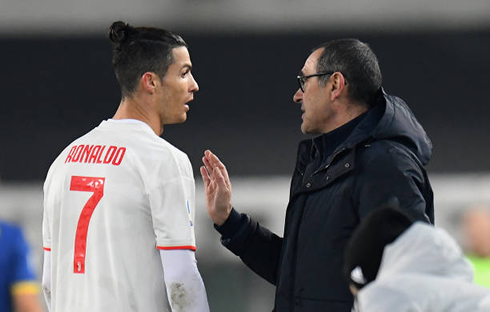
[(55, 89)]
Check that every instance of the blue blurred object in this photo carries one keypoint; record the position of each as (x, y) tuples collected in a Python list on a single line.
[(16, 273)]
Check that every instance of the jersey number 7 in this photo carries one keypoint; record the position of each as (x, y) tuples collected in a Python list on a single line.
[(85, 184)]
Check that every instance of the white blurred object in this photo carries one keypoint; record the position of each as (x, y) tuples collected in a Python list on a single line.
[(94, 16)]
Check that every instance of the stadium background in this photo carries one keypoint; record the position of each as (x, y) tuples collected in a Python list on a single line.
[(57, 83)]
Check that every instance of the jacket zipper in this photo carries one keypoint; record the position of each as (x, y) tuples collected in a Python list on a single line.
[(328, 165)]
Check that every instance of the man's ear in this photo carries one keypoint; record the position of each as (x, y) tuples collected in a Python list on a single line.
[(149, 81), (338, 85)]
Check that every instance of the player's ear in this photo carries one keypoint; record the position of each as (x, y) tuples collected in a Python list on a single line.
[(149, 81)]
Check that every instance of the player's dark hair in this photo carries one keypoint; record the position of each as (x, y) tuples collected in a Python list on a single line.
[(357, 62), (137, 50)]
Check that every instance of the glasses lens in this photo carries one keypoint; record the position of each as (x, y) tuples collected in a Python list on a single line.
[(301, 82)]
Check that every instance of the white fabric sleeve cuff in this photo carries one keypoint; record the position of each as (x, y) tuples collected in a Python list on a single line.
[(185, 287), (46, 280)]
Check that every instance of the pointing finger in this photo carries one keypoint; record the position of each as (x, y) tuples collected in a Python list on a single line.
[(214, 160), (205, 176), (220, 179), (206, 163)]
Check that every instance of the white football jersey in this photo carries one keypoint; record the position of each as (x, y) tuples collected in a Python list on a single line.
[(112, 198)]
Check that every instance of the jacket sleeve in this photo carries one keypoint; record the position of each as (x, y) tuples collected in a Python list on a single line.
[(257, 247), (395, 177)]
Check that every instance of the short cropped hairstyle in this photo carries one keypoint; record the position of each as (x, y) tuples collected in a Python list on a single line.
[(364, 250), (137, 50), (357, 62)]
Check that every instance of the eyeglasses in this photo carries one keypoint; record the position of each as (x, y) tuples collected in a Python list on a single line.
[(302, 79)]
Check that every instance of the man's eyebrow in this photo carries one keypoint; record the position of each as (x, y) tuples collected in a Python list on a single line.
[(189, 66)]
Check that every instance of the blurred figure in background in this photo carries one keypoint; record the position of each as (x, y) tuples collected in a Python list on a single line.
[(393, 264), (476, 232), (19, 290)]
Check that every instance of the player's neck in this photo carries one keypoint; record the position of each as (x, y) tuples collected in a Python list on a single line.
[(131, 108)]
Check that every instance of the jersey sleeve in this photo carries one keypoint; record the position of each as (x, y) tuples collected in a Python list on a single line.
[(45, 224), (172, 207), (50, 197), (185, 287)]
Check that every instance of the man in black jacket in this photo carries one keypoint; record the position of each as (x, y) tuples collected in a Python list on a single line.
[(370, 151)]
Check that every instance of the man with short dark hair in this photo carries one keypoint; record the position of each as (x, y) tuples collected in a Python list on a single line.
[(118, 226), (370, 150)]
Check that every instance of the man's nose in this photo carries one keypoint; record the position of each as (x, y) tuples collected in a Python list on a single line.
[(194, 85), (298, 96)]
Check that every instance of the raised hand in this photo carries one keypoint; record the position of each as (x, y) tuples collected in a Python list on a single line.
[(217, 188)]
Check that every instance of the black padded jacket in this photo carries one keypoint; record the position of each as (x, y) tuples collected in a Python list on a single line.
[(381, 161)]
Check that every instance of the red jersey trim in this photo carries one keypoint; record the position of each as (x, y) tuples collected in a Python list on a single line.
[(46, 248), (177, 247)]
